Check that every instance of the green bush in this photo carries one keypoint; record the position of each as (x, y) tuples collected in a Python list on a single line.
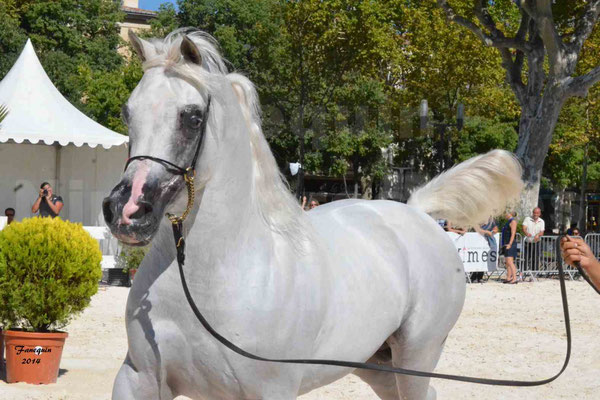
[(49, 270), (131, 257)]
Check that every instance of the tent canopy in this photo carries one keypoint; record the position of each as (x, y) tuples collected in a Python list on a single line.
[(38, 112), (39, 116)]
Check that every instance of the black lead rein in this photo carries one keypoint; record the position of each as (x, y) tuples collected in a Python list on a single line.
[(188, 174), (376, 367)]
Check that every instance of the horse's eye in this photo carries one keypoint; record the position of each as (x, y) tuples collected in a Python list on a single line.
[(191, 119), (195, 120)]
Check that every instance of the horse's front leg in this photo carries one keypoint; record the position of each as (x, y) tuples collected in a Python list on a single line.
[(132, 384)]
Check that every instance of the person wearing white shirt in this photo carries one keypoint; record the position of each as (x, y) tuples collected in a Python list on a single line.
[(533, 228)]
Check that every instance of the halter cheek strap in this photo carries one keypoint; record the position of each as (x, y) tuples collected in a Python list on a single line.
[(188, 174)]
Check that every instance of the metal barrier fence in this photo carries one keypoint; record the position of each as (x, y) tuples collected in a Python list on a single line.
[(540, 259), (593, 240)]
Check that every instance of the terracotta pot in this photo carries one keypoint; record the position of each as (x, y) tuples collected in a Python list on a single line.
[(132, 275), (1, 351), (33, 357)]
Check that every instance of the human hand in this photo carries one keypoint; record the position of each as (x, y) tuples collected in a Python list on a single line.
[(576, 250), (41, 193), (508, 246)]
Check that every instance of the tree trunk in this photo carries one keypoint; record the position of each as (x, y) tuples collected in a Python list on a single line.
[(366, 183), (538, 119), (581, 214)]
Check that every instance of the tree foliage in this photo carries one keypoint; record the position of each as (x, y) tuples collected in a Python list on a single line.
[(542, 44), (341, 80), (69, 36)]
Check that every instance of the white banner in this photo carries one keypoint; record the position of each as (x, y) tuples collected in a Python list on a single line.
[(475, 251)]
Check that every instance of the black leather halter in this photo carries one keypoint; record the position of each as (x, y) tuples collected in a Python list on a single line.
[(171, 166), (188, 174)]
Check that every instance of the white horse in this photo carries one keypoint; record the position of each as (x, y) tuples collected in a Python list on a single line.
[(354, 280)]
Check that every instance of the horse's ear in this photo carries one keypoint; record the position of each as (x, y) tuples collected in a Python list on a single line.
[(137, 44), (190, 51)]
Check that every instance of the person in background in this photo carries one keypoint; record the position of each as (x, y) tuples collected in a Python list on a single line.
[(509, 246), (48, 204), (10, 213), (533, 228), (313, 203), (575, 232), (576, 250), (488, 231)]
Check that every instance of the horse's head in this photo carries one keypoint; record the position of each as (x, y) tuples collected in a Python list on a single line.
[(187, 107), (167, 116)]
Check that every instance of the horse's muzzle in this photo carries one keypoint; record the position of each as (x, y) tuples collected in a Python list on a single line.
[(132, 221)]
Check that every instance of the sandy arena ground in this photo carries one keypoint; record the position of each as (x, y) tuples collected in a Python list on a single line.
[(508, 332)]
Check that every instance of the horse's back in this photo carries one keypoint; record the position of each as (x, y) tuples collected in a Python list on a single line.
[(387, 226)]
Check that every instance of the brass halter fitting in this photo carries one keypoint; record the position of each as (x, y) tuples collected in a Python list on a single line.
[(188, 177)]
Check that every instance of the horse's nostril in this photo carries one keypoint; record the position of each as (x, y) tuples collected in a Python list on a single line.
[(106, 210), (143, 210)]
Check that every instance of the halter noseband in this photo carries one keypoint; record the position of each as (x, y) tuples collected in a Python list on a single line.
[(188, 174)]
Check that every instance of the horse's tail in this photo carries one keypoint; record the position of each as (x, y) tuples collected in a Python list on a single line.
[(473, 191)]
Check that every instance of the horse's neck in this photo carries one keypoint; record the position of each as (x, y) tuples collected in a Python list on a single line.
[(226, 218)]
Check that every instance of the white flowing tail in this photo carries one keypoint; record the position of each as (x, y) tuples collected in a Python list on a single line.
[(473, 191)]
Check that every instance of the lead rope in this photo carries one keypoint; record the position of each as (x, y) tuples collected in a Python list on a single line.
[(180, 243), (177, 222)]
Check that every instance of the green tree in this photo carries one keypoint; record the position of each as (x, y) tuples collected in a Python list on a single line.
[(540, 43), (67, 34), (447, 67), (106, 91), (12, 37)]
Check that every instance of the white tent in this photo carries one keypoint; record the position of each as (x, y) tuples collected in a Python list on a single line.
[(45, 138)]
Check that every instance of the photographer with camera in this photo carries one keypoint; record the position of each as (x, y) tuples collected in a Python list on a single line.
[(47, 203)]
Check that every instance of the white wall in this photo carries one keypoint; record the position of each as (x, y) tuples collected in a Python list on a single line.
[(86, 176), (24, 167)]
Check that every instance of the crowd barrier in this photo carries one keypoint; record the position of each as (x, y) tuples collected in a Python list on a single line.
[(541, 259), (593, 240)]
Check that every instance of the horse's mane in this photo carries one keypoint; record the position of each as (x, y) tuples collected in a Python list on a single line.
[(271, 195)]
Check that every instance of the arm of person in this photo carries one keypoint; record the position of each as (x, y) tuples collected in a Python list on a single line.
[(455, 230), (541, 233), (36, 205), (303, 202), (513, 233), (482, 231), (55, 207), (525, 229), (576, 250)]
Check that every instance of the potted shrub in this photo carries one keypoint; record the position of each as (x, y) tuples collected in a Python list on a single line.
[(130, 258), (49, 270)]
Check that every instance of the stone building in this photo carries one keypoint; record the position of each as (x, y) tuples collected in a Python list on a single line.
[(135, 17)]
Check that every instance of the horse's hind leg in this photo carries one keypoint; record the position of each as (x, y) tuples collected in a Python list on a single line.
[(420, 355), (382, 383)]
